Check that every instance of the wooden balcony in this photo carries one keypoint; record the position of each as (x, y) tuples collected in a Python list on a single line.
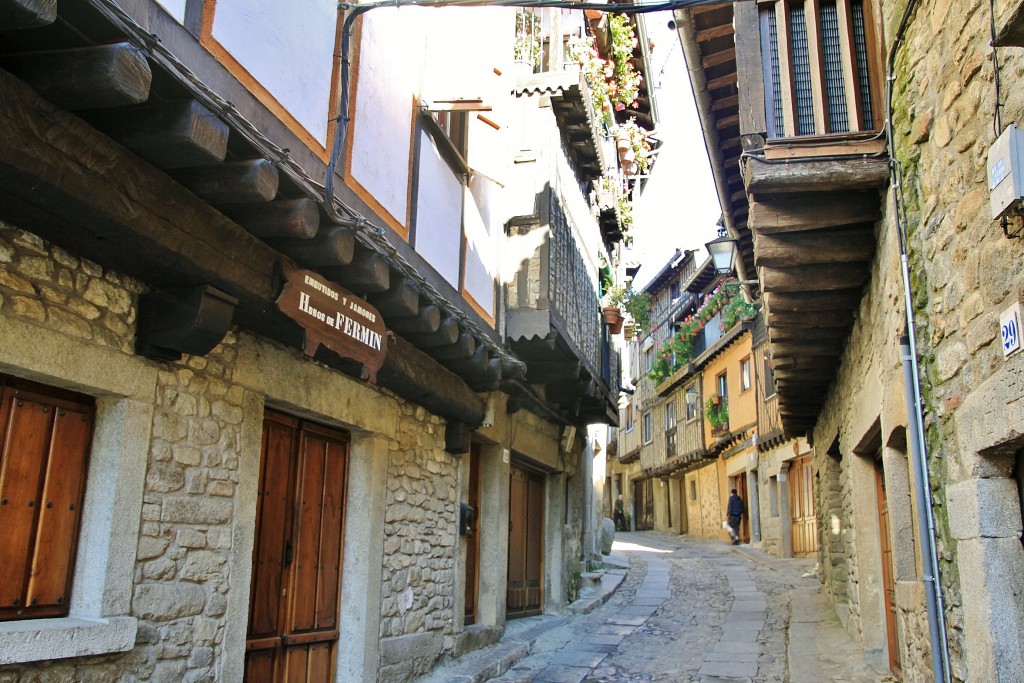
[(555, 324), (802, 100)]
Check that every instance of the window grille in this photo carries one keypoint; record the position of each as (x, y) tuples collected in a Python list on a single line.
[(861, 48), (838, 118), (801, 61)]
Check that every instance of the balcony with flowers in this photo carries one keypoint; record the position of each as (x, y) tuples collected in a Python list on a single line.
[(716, 321)]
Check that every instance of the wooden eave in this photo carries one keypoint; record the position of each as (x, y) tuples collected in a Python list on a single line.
[(570, 102), (709, 46), (145, 178)]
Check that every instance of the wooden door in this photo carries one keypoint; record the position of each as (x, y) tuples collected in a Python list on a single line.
[(525, 592), (471, 538), (643, 504), (684, 520), (740, 484), (297, 557), (801, 501), (888, 582)]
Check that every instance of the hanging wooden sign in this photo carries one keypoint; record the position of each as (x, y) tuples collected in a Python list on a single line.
[(335, 318)]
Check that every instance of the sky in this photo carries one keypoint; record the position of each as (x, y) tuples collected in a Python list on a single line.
[(679, 207)]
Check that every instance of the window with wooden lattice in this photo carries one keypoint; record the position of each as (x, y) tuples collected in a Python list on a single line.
[(45, 435), (821, 67)]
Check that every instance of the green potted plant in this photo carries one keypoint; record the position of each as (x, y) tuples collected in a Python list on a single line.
[(716, 410), (614, 299)]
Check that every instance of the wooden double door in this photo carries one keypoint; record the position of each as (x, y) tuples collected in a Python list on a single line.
[(524, 595), (801, 500), (297, 556)]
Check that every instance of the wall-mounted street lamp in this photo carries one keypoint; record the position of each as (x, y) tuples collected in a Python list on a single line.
[(724, 250)]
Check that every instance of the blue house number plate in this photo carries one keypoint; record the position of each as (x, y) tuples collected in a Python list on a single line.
[(1009, 329)]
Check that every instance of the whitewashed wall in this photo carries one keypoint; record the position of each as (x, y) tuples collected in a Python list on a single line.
[(390, 56), (288, 47), (438, 212)]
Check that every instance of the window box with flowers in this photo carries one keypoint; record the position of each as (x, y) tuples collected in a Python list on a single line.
[(716, 411), (727, 301)]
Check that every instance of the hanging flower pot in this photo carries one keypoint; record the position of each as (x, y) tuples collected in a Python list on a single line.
[(622, 143), (628, 154), (613, 319), (631, 168), (592, 13), (716, 399)]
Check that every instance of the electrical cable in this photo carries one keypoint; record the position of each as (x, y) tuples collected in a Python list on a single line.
[(997, 116)]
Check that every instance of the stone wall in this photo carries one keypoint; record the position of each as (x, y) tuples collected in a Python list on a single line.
[(45, 284), (420, 542), (189, 585), (965, 274)]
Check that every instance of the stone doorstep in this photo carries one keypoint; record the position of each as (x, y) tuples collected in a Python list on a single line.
[(595, 596)]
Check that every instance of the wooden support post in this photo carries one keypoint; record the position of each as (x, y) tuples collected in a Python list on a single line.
[(473, 367), (168, 135), (489, 379), (463, 347), (414, 376), (20, 14), (814, 211), (87, 77), (288, 218), (334, 247), (253, 181), (809, 278), (426, 322), (832, 246), (447, 332), (401, 300), (456, 437), (368, 272), (815, 176)]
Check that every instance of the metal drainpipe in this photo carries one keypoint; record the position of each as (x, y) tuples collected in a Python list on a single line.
[(912, 387)]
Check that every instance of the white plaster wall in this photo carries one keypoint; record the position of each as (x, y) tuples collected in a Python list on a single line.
[(481, 226), (438, 212), (287, 47), (390, 50), (176, 8), (465, 47)]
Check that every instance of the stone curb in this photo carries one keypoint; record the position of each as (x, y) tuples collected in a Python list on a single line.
[(494, 660)]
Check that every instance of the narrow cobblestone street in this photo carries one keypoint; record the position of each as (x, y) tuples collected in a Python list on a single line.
[(700, 612)]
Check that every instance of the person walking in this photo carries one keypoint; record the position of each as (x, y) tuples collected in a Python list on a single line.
[(733, 512), (620, 518)]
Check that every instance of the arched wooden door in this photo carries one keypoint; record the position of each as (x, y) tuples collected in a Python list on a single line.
[(297, 556)]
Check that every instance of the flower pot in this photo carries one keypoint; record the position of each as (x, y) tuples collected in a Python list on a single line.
[(628, 154), (716, 400), (630, 168), (592, 13), (613, 319), (622, 143)]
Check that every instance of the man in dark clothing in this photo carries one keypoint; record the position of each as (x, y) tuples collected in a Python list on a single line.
[(734, 511), (620, 519)]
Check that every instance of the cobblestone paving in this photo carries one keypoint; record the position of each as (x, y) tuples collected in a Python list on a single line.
[(689, 612)]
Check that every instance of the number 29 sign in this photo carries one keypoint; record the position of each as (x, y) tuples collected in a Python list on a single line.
[(1009, 329)]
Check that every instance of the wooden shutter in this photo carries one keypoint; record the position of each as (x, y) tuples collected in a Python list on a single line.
[(45, 436)]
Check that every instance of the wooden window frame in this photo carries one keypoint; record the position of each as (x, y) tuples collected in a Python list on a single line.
[(647, 428), (99, 620), (746, 374)]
